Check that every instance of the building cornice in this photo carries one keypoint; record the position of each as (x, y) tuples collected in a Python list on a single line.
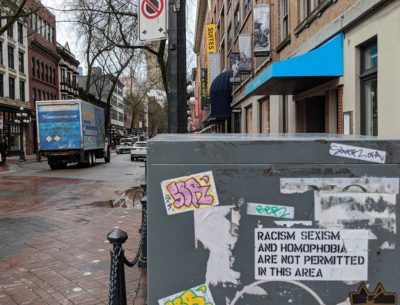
[(200, 17)]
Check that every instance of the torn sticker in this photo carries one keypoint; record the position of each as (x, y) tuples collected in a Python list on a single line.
[(189, 193), (270, 210), (217, 230), (358, 153), (358, 184), (197, 295)]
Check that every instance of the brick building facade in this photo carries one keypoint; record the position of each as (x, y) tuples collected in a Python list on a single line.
[(43, 60), (333, 59)]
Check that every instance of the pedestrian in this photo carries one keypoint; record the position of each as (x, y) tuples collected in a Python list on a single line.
[(3, 150)]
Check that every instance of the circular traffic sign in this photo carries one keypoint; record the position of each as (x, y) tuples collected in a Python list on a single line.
[(151, 9)]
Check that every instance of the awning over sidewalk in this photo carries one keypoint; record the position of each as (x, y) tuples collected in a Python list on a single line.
[(221, 97), (300, 73)]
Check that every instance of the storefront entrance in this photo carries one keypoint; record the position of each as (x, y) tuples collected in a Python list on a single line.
[(315, 114), (11, 132)]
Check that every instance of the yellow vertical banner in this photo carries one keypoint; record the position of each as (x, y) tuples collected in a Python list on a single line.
[(211, 38), (211, 47)]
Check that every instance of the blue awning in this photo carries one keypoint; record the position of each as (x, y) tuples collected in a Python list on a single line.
[(221, 97), (297, 74)]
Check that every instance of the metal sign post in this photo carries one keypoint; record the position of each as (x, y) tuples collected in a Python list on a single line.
[(152, 20)]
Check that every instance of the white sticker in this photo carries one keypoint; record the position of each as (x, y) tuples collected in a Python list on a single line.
[(359, 153), (311, 254), (189, 193), (270, 210), (197, 295)]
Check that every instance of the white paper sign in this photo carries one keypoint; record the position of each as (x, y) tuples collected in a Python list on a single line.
[(311, 254), (152, 19), (270, 210), (359, 153)]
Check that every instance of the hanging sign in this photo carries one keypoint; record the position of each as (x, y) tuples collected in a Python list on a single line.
[(261, 33), (214, 67), (245, 54), (234, 60), (152, 20), (211, 38)]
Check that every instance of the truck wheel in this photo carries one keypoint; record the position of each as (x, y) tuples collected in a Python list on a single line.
[(93, 159), (107, 157), (90, 159)]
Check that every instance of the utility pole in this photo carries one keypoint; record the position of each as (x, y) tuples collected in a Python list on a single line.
[(177, 108)]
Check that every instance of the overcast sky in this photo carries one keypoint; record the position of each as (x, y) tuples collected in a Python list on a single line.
[(66, 33)]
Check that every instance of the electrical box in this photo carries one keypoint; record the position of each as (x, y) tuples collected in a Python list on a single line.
[(253, 219)]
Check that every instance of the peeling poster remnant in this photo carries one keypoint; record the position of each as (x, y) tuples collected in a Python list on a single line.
[(372, 211), (217, 230), (271, 210), (311, 254), (189, 193), (359, 184), (378, 297), (358, 153), (199, 295)]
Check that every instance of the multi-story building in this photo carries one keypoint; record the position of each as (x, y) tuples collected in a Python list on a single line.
[(14, 82), (67, 73), (43, 59), (100, 86), (326, 66)]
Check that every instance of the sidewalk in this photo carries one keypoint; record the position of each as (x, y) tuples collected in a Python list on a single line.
[(55, 252)]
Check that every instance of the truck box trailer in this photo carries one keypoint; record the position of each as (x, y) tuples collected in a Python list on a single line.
[(70, 131)]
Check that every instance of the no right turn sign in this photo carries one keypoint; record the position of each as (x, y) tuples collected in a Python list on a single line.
[(152, 20)]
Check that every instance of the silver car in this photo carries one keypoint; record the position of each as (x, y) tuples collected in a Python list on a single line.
[(125, 146), (139, 151)]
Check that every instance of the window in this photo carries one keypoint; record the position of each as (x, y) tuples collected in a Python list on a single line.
[(230, 37), (22, 91), (10, 57), (31, 21), (21, 62), (1, 85), (237, 20), (284, 15), (33, 67), (36, 21), (1, 52), (369, 92), (246, 6), (20, 33), (34, 94), (49, 33), (63, 76), (37, 69), (54, 76), (47, 73), (308, 6), (11, 88), (42, 69), (40, 26), (10, 31)]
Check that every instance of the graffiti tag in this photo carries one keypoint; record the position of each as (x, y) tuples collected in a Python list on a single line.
[(199, 295), (278, 211), (189, 193), (359, 153)]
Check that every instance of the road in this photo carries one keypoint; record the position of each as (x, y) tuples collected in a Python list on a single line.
[(53, 228)]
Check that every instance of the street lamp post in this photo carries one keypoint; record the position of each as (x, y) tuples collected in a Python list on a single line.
[(22, 118)]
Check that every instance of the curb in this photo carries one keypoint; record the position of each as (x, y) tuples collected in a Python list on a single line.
[(12, 168)]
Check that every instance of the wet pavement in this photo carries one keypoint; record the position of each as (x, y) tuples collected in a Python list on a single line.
[(53, 232)]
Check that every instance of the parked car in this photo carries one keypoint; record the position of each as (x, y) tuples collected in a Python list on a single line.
[(125, 146), (139, 150)]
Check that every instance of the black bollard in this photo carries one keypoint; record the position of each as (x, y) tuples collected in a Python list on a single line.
[(117, 290), (143, 255)]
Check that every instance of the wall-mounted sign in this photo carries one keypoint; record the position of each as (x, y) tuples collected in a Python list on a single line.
[(261, 33), (211, 39), (152, 20), (245, 54)]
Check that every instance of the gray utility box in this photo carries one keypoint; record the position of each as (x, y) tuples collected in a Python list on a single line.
[(248, 219)]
